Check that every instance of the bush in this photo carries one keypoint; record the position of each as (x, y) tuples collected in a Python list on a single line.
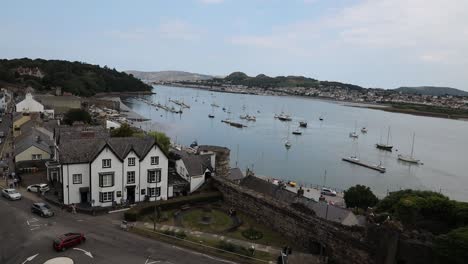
[(360, 196), (74, 115), (252, 234), (453, 247), (180, 234), (224, 245)]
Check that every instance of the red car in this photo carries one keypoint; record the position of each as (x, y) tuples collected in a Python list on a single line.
[(68, 240)]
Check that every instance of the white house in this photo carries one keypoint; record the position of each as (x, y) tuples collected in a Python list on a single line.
[(194, 168), (101, 171), (29, 105)]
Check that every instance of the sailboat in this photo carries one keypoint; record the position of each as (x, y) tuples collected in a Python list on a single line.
[(386, 146), (354, 134), (409, 158), (364, 130), (287, 144), (303, 124)]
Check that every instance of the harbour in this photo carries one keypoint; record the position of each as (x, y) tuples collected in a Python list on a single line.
[(322, 143)]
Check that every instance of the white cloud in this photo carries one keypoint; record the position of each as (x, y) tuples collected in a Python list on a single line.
[(429, 30)]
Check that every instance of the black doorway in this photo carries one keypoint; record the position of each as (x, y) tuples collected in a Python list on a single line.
[(84, 197), (131, 194)]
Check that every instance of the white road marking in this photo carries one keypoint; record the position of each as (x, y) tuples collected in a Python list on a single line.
[(32, 229), (30, 258), (87, 253), (152, 262)]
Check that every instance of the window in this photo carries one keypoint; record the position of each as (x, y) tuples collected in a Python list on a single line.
[(130, 177), (143, 191), (36, 156), (155, 160), (154, 175), (106, 197), (154, 192), (131, 161), (106, 163), (106, 179), (77, 178)]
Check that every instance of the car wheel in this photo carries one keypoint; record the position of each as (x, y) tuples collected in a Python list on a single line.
[(29, 190)]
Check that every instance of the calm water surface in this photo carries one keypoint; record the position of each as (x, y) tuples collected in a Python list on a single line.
[(441, 144)]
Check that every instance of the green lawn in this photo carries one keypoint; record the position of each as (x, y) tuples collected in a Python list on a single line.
[(220, 221)]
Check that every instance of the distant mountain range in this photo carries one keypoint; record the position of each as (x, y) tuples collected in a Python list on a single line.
[(168, 76), (432, 90)]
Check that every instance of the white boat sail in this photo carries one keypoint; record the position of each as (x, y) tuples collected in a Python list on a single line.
[(409, 158)]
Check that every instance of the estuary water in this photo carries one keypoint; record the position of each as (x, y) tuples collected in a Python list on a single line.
[(315, 156)]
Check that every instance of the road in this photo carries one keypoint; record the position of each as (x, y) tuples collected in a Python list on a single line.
[(27, 239)]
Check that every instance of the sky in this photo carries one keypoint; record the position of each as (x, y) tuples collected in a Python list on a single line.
[(372, 43)]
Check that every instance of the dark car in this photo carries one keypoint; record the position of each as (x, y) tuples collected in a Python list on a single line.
[(68, 240), (42, 209)]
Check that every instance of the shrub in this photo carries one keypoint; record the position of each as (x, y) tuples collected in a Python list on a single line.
[(252, 234), (453, 247), (360, 196)]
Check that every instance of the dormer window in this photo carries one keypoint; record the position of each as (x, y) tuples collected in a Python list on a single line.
[(155, 160), (106, 163), (131, 161)]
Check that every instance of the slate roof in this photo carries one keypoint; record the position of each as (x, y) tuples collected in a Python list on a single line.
[(86, 150), (65, 133), (33, 137), (235, 174), (174, 179), (195, 164), (335, 213)]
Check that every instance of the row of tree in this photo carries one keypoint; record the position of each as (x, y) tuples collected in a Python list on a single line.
[(75, 77)]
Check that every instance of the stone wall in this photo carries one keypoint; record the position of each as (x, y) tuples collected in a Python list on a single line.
[(344, 244)]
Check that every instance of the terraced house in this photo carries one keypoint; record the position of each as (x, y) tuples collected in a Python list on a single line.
[(107, 171)]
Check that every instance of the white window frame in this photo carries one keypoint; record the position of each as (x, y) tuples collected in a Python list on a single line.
[(105, 179), (131, 161), (154, 178), (80, 181), (132, 173), (105, 161), (105, 197), (151, 191), (155, 160), (36, 157)]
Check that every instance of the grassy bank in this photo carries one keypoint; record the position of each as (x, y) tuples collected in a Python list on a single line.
[(423, 110)]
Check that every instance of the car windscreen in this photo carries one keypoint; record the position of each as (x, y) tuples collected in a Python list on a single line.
[(12, 192)]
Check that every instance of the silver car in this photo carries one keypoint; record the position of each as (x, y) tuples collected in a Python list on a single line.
[(41, 187), (42, 209), (11, 194)]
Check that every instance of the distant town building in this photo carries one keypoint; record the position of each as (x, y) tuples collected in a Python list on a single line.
[(29, 105)]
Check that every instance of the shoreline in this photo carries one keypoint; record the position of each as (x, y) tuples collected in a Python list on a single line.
[(368, 105)]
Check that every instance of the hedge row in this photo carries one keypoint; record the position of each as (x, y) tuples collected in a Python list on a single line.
[(147, 208)]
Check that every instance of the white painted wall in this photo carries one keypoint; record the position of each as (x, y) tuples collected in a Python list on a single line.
[(136, 169), (29, 105), (145, 164), (96, 168), (29, 152), (71, 192)]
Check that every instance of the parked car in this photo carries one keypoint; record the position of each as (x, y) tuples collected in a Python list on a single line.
[(329, 192), (41, 187), (11, 194), (42, 209), (68, 240)]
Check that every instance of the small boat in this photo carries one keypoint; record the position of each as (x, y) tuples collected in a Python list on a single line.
[(251, 118), (410, 158), (364, 130), (321, 118), (284, 117), (243, 116), (194, 144), (384, 146), (303, 124), (297, 132), (287, 144), (224, 108), (214, 105), (354, 134), (211, 116)]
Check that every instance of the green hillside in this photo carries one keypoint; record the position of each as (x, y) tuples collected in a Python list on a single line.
[(432, 90), (75, 77)]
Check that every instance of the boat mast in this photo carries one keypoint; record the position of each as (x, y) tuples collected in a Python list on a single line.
[(412, 146), (388, 134)]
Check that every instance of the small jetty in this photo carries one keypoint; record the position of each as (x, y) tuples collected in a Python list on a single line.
[(356, 161), (234, 124), (179, 103)]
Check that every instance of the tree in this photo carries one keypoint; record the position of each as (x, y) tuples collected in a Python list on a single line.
[(360, 196), (453, 247), (124, 130), (163, 140), (76, 115)]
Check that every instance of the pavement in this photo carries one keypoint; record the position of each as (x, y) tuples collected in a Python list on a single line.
[(209, 236), (27, 239)]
